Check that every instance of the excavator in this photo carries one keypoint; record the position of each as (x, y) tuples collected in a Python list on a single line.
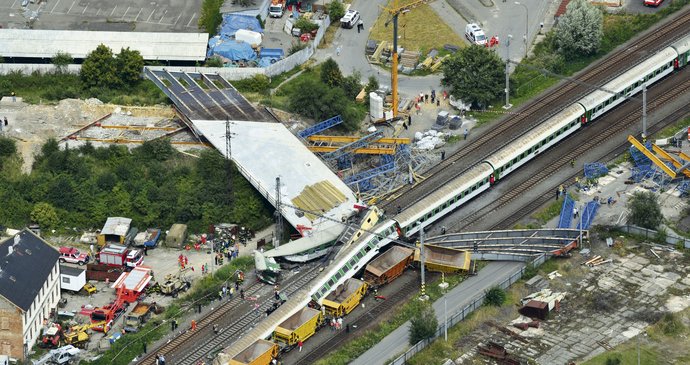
[(78, 336)]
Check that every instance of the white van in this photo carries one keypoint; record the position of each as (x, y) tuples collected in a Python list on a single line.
[(350, 19), (475, 35)]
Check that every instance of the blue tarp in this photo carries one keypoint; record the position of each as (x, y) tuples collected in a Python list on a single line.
[(232, 50), (272, 53), (233, 22), (566, 217)]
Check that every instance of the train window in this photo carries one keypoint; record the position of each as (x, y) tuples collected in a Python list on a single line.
[(352, 262), (338, 275), (360, 255), (367, 249)]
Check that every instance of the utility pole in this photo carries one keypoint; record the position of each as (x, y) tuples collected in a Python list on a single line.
[(508, 105), (644, 113), (278, 216), (421, 260), (445, 318), (228, 156)]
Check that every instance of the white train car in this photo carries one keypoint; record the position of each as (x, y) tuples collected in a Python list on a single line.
[(629, 83), (444, 200), (537, 140), (682, 47)]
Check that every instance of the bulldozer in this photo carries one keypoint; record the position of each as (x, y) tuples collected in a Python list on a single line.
[(78, 336), (175, 283)]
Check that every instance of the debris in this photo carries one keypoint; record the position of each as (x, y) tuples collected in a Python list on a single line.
[(554, 274), (498, 352), (654, 252)]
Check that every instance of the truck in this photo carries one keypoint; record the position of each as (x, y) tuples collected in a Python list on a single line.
[(174, 284), (104, 317), (117, 255), (148, 238), (138, 316), (73, 256), (276, 9), (59, 356)]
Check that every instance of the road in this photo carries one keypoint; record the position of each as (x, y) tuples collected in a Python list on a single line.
[(459, 297)]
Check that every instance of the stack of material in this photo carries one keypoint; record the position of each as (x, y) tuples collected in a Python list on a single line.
[(409, 59), (596, 261), (320, 197), (541, 303)]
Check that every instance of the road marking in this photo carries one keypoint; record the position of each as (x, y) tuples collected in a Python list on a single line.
[(178, 18), (14, 2), (139, 13), (162, 16), (149, 18), (70, 8), (111, 13), (56, 4), (98, 12), (123, 15), (83, 11), (190, 19)]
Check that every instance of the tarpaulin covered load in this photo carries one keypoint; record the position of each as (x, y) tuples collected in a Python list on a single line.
[(233, 22), (232, 50), (269, 56), (248, 36)]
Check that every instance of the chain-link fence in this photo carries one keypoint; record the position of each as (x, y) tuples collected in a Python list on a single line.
[(462, 314)]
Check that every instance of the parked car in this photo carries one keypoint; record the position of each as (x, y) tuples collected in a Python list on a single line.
[(350, 19), (73, 256)]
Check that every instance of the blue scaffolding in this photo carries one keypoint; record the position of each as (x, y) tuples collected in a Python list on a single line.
[(320, 127), (639, 157), (566, 212), (595, 169), (588, 215), (364, 179)]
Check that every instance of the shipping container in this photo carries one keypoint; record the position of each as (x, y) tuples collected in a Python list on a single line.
[(345, 297), (444, 259), (102, 272)]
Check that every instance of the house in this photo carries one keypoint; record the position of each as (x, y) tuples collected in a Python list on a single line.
[(115, 230), (29, 290)]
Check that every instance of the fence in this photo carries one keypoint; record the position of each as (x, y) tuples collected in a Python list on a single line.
[(29, 68), (670, 240), (462, 314)]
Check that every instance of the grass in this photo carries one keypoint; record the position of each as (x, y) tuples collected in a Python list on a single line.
[(673, 129), (402, 314), (627, 354), (551, 211), (414, 31)]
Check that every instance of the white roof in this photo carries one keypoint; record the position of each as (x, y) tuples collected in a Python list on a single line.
[(134, 280), (263, 151), (118, 226), (152, 45)]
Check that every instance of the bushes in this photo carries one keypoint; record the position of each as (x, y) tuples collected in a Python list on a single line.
[(257, 84), (495, 296), (305, 25)]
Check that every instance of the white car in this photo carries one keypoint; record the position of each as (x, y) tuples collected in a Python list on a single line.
[(475, 35), (350, 19)]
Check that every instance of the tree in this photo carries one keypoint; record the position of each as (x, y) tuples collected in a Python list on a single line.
[(475, 75), (336, 10), (423, 325), (495, 296), (8, 147), (61, 60), (130, 65), (100, 69), (45, 215), (645, 210), (352, 85), (305, 25), (210, 17), (330, 73), (580, 29)]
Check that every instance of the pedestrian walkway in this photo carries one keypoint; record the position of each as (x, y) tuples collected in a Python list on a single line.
[(451, 17), (459, 297)]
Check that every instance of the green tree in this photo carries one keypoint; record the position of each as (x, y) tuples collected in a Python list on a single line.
[(61, 60), (330, 73), (214, 62), (580, 29), (305, 25), (495, 296), (130, 65), (372, 84), (645, 210), (45, 215), (423, 325), (100, 69), (336, 10), (8, 147), (352, 85), (475, 75), (210, 17)]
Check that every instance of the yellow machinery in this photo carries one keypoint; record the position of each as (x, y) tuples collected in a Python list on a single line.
[(345, 297), (394, 12), (78, 335)]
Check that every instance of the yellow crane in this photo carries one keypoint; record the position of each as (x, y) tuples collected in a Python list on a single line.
[(394, 12)]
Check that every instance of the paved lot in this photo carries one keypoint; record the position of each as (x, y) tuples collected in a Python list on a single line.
[(274, 36), (105, 15)]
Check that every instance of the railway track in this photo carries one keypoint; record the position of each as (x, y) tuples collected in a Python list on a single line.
[(188, 348), (544, 106), (609, 126), (409, 287)]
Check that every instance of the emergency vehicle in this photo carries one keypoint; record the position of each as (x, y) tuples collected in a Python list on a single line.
[(653, 2), (73, 256)]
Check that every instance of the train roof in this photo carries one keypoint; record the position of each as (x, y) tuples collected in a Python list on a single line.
[(529, 139), (454, 187), (682, 45), (628, 78), (342, 292)]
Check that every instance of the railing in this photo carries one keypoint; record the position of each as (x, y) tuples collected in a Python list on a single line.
[(462, 314), (670, 240)]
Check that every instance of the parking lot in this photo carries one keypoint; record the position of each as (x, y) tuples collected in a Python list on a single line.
[(104, 15)]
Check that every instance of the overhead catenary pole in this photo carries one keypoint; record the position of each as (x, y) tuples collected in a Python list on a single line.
[(508, 105), (394, 70), (278, 216), (422, 261), (228, 156), (644, 112)]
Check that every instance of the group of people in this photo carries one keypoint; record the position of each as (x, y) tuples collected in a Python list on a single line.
[(336, 323), (160, 359)]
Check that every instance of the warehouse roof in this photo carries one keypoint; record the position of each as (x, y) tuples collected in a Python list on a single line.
[(34, 43), (25, 250), (118, 226)]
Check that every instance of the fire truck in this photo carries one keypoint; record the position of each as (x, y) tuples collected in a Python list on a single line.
[(118, 255)]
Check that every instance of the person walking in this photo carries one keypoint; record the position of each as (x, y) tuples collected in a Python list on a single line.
[(409, 120), (299, 344), (340, 323), (144, 343), (575, 213), (337, 50), (572, 163), (146, 250), (14, 97), (466, 133), (215, 328), (242, 294), (158, 359), (161, 359), (193, 325)]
